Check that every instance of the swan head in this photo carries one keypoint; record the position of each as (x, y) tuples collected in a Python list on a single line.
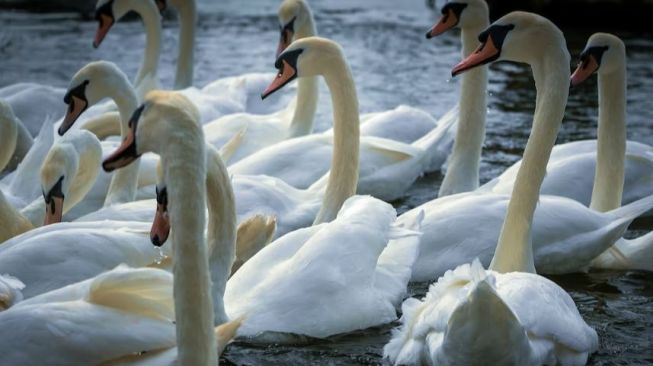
[(57, 172), (310, 56), (461, 14), (518, 36), (163, 116), (603, 54), (108, 12), (293, 16), (88, 86), (71, 166)]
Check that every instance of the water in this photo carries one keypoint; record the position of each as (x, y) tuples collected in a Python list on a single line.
[(392, 63)]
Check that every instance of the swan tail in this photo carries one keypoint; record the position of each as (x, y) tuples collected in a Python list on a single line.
[(224, 333), (634, 209), (437, 143), (253, 235), (407, 345), (483, 330), (10, 291), (228, 150), (143, 291), (103, 126), (394, 267)]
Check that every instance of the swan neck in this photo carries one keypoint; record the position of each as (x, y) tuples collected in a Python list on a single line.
[(8, 140), (152, 22), (221, 229), (305, 106), (463, 169), (514, 250), (124, 182), (185, 173), (186, 56), (611, 144), (343, 177), (89, 157)]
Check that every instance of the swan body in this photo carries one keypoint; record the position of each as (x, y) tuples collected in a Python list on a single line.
[(387, 167), (329, 278), (507, 314), (456, 309), (33, 103), (566, 235)]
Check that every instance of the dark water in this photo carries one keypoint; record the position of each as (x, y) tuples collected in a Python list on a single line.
[(392, 64)]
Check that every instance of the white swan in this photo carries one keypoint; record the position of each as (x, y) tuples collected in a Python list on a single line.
[(387, 167), (574, 164), (566, 234), (15, 140), (477, 316), (471, 16), (91, 84)]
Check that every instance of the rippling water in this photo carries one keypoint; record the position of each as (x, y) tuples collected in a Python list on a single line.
[(392, 64)]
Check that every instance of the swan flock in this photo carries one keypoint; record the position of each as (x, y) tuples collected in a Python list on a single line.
[(153, 224)]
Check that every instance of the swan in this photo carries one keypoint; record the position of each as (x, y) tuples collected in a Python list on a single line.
[(471, 16), (65, 174), (605, 54), (476, 316), (566, 235), (387, 167), (92, 83), (226, 96), (573, 164), (15, 140)]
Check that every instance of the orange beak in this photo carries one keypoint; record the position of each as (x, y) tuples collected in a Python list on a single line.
[(75, 109), (54, 211), (445, 23), (485, 53), (584, 70), (160, 226), (103, 28), (285, 75)]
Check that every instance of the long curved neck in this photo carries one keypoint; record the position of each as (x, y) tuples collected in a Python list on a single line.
[(152, 22), (221, 229), (307, 90), (463, 170), (185, 173), (24, 142), (514, 250), (343, 178), (124, 182), (186, 57), (611, 145)]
